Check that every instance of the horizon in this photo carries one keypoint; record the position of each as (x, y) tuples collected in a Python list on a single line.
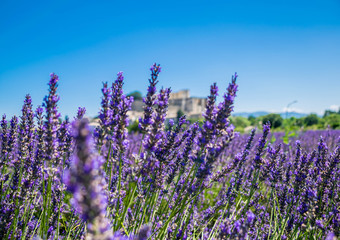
[(282, 52), (333, 108)]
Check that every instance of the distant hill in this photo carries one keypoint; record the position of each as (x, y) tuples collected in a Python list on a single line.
[(293, 114), (247, 114), (262, 113)]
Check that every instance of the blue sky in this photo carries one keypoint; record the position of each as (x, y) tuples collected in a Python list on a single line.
[(282, 50)]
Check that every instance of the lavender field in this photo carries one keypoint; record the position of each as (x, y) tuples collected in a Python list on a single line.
[(174, 180)]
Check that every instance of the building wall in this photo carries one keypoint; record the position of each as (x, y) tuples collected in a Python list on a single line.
[(193, 107), (180, 94)]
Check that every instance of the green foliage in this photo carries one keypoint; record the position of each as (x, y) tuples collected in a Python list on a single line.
[(293, 122), (240, 123), (332, 120), (275, 120), (288, 134), (311, 119), (134, 127), (252, 120), (298, 122), (290, 125), (329, 112), (180, 113), (272, 139), (198, 120), (136, 95)]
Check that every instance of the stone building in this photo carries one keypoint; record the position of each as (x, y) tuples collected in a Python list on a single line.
[(192, 107)]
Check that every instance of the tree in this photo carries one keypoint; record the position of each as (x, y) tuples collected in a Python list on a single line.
[(311, 119), (136, 95), (298, 122), (274, 119), (180, 113), (329, 112), (240, 122), (333, 120), (252, 119)]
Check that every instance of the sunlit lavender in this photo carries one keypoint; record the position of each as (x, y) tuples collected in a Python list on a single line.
[(174, 179)]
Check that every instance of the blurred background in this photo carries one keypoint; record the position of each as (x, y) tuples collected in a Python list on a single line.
[(286, 53)]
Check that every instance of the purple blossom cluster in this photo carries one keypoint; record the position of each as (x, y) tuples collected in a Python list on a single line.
[(176, 179)]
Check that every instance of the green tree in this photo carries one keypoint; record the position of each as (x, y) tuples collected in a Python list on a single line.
[(240, 122), (311, 119), (298, 122), (327, 113), (136, 95), (180, 113), (333, 120), (275, 120), (252, 120)]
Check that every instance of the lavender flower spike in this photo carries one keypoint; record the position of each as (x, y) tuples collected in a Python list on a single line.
[(226, 107), (258, 161), (4, 140), (81, 112), (87, 184), (52, 121), (149, 100)]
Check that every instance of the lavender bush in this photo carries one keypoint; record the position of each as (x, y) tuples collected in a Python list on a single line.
[(175, 180)]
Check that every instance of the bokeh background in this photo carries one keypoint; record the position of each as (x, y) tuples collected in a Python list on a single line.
[(282, 50)]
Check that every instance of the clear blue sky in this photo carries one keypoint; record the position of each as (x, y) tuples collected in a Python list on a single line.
[(282, 50)]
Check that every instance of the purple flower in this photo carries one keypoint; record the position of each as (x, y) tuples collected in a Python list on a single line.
[(149, 100), (226, 107), (209, 116), (331, 236), (52, 121), (4, 141), (250, 217), (105, 116), (81, 112), (87, 184), (261, 144)]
